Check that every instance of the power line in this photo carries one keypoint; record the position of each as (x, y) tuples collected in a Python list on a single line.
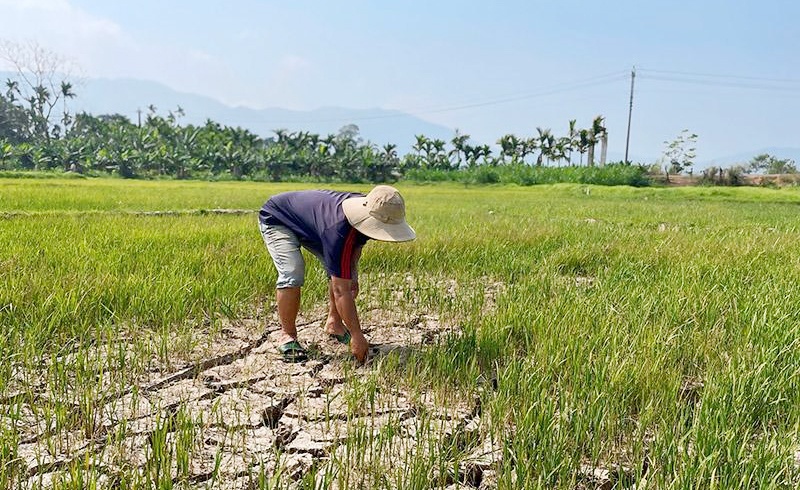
[(715, 80), (709, 75), (568, 88), (719, 80), (720, 83), (552, 90)]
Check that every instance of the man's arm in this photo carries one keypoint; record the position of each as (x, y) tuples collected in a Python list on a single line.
[(354, 270), (346, 306)]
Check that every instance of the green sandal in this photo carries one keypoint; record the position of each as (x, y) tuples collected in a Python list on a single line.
[(341, 338), (292, 351)]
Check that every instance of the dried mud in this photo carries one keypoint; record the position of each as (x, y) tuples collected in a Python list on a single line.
[(242, 411)]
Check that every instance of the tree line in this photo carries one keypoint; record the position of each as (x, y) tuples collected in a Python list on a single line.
[(161, 146), (39, 132)]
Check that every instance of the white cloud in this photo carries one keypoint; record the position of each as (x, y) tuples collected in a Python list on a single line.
[(63, 29), (102, 48), (52, 5)]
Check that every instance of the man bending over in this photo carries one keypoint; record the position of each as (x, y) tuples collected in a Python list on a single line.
[(334, 226)]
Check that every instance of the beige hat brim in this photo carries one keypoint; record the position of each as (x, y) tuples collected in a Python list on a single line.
[(357, 214)]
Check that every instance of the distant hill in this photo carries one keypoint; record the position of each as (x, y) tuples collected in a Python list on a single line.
[(125, 96), (724, 161), (744, 157)]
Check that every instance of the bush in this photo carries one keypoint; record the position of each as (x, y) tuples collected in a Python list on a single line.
[(522, 174), (37, 174), (723, 176)]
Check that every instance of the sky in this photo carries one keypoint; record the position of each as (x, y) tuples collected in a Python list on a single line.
[(727, 70)]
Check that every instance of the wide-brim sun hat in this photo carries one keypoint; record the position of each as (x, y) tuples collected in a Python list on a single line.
[(380, 215)]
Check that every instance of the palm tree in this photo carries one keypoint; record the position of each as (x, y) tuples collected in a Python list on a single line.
[(510, 148), (484, 152), (572, 136), (592, 140), (601, 133), (420, 143), (389, 150), (12, 90), (66, 93), (388, 162), (437, 157), (471, 155), (584, 142), (529, 147), (558, 151), (545, 142), (39, 116), (459, 142), (282, 135)]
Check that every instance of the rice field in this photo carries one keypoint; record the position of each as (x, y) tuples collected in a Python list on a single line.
[(559, 336)]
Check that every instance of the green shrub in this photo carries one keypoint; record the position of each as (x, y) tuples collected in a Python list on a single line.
[(522, 174)]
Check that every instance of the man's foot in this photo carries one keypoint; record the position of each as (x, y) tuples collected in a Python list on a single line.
[(341, 338), (292, 351), (337, 330)]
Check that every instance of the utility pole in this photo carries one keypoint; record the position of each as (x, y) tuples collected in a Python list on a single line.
[(139, 114), (630, 112)]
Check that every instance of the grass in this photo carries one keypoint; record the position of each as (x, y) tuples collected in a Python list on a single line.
[(649, 328)]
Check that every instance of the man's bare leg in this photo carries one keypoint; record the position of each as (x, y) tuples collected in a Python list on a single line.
[(334, 324), (288, 305)]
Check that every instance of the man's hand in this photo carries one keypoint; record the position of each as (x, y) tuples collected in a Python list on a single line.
[(359, 346), (344, 291)]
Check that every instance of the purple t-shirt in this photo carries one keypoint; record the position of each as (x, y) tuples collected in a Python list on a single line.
[(317, 218)]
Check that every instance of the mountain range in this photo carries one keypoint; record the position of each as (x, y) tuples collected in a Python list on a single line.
[(132, 98), (744, 157)]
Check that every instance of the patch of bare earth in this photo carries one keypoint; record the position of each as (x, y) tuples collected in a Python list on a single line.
[(245, 412)]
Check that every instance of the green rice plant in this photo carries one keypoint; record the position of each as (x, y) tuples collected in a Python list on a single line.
[(650, 332)]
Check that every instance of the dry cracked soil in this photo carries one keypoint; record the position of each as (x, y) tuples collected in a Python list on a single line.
[(244, 411)]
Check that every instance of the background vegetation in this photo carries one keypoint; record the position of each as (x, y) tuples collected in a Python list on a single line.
[(39, 132)]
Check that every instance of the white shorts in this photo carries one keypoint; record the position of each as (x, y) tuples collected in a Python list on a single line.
[(284, 248)]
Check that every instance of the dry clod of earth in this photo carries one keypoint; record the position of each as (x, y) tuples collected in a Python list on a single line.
[(591, 477), (489, 480), (691, 390), (485, 457), (663, 227)]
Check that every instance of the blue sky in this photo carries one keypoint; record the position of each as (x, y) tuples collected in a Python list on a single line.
[(487, 68)]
